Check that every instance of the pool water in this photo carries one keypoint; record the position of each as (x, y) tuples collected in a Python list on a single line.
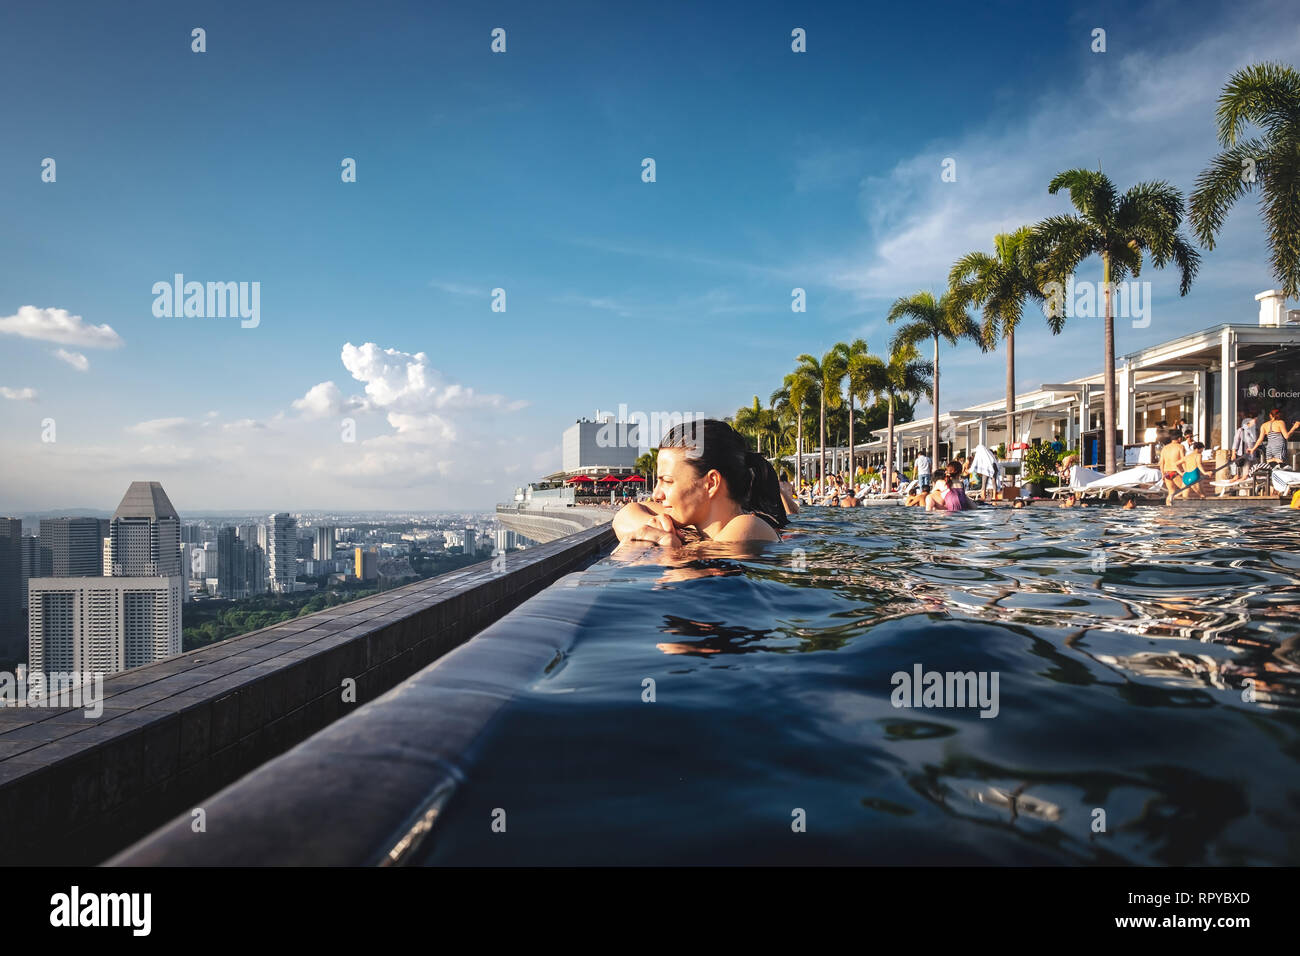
[(1147, 670)]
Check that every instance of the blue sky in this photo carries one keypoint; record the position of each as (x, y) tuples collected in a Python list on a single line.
[(522, 171)]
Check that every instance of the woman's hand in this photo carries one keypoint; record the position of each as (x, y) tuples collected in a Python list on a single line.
[(660, 530)]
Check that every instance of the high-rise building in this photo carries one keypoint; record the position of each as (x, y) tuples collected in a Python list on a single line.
[(506, 540), (323, 543), (125, 618), (145, 534), (102, 624), (282, 552), (11, 581), (366, 565), (76, 548), (470, 544), (227, 544), (253, 537), (37, 563)]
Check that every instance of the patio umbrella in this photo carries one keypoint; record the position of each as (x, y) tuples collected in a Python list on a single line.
[(606, 480), (634, 478), (577, 478)]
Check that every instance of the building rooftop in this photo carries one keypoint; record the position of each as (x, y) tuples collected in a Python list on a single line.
[(145, 499)]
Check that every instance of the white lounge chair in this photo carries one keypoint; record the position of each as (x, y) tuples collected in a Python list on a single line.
[(1142, 480), (1285, 481), (1080, 478)]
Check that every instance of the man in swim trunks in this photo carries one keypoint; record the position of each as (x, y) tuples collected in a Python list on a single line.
[(1171, 468)]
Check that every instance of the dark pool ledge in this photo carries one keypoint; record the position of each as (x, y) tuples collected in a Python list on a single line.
[(75, 790), (368, 789)]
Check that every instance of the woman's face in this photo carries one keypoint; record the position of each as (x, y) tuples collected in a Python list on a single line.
[(682, 494)]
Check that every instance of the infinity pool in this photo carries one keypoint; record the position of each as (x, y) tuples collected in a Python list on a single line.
[(1148, 711)]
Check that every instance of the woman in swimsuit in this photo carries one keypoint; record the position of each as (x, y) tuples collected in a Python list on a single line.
[(1191, 476), (709, 484), (1276, 433)]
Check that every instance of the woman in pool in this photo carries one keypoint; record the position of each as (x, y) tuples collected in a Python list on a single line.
[(709, 483)]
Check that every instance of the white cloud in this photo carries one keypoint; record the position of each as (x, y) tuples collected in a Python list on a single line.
[(18, 394), (75, 359), (57, 325), (321, 401), (163, 426), (401, 381), (243, 424)]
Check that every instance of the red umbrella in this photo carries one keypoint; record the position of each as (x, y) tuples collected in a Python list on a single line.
[(577, 478), (634, 478), (606, 480)]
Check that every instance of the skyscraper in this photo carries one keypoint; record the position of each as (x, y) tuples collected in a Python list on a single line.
[(102, 624), (282, 552), (11, 579), (37, 563), (75, 546), (227, 545), (132, 617), (323, 543), (145, 534), (253, 537)]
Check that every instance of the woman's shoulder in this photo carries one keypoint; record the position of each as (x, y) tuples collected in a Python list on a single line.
[(747, 527)]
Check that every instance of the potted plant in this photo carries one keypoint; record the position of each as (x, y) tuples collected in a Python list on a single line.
[(1040, 469)]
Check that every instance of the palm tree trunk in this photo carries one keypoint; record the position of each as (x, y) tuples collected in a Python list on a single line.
[(850, 432), (1109, 371), (1011, 389), (798, 450), (822, 474), (889, 449), (934, 428)]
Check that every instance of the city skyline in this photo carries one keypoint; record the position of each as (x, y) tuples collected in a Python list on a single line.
[(522, 171)]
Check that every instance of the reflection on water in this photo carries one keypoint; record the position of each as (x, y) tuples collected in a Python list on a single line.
[(1149, 669)]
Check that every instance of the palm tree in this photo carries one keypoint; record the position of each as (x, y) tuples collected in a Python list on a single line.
[(1266, 95), (1118, 229), (810, 375), (903, 375), (769, 426), (749, 422), (796, 389), (648, 465), (1000, 284), (943, 318), (849, 354), (826, 374)]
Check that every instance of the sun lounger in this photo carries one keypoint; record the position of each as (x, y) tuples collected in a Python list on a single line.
[(1142, 480), (908, 489), (1285, 481), (1080, 478)]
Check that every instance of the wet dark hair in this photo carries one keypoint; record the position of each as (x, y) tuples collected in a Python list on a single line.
[(751, 480)]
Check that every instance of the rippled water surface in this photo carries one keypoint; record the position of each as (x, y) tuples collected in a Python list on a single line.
[(1148, 668)]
